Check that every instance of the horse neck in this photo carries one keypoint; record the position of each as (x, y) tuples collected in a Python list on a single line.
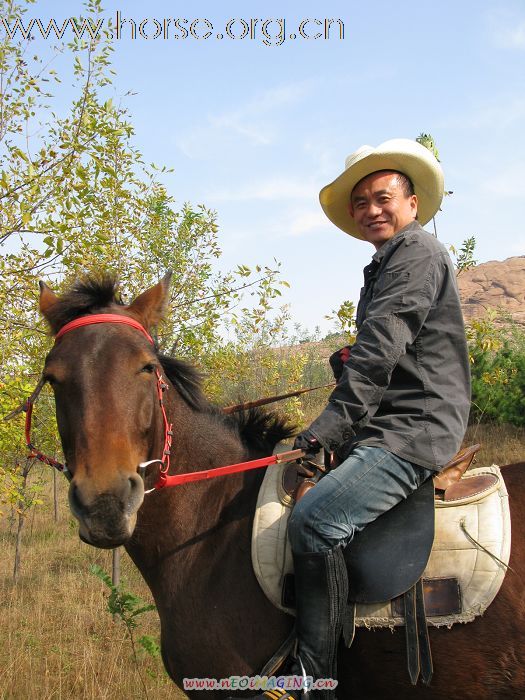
[(174, 521), (192, 546)]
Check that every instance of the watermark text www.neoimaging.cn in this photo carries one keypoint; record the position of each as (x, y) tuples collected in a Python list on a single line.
[(271, 32)]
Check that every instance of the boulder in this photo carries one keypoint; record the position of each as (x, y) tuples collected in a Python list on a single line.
[(498, 285)]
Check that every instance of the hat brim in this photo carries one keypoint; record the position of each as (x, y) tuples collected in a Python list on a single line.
[(414, 160)]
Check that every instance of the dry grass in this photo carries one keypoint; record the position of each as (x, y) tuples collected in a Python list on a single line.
[(58, 641), (500, 444)]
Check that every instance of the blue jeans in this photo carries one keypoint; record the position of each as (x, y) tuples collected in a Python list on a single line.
[(363, 487)]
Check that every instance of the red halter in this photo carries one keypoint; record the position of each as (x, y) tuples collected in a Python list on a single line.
[(161, 388), (102, 318)]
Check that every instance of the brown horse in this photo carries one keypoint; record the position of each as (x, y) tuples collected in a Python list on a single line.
[(192, 542)]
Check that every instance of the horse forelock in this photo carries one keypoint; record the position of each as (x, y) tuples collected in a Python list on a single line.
[(85, 297)]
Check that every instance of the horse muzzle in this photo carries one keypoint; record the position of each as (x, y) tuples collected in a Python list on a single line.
[(106, 518)]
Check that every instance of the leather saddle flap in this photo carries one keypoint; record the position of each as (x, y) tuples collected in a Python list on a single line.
[(390, 554)]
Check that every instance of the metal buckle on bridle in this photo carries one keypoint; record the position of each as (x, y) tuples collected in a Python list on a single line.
[(141, 469)]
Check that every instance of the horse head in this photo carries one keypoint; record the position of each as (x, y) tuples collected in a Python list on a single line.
[(104, 378)]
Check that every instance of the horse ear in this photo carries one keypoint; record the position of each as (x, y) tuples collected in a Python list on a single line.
[(48, 299), (149, 306)]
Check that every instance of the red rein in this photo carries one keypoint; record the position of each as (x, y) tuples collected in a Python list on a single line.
[(164, 478)]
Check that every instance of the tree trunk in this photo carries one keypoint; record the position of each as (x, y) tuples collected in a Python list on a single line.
[(18, 546), (55, 495), (115, 571), (22, 505)]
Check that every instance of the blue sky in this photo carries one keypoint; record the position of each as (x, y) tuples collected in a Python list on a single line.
[(254, 131)]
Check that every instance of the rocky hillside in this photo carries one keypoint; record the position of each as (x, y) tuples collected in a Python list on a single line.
[(494, 285)]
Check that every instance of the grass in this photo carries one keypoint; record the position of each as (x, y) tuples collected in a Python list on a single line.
[(500, 444), (57, 640)]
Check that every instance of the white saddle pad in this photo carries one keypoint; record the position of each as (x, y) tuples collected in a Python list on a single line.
[(484, 516)]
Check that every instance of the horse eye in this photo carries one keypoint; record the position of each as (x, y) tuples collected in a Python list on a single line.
[(149, 368)]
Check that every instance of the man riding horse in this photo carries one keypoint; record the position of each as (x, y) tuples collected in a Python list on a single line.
[(401, 404)]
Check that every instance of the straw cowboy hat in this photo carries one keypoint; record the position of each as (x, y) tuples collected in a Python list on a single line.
[(405, 155)]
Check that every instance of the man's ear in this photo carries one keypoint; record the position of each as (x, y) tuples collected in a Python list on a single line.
[(413, 204), (48, 299), (148, 307)]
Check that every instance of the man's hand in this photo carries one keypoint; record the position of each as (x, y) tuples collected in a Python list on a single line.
[(308, 443), (338, 359)]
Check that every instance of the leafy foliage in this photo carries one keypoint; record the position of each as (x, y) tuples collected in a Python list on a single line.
[(465, 258), (498, 370), (76, 197), (345, 317), (127, 607), (427, 141)]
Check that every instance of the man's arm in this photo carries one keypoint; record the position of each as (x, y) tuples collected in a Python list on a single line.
[(404, 294)]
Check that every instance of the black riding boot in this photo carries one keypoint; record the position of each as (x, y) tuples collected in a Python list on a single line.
[(321, 588)]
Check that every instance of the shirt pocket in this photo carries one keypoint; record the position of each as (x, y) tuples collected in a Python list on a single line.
[(393, 288)]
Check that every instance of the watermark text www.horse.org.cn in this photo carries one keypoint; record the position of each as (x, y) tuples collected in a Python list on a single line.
[(259, 683), (271, 32)]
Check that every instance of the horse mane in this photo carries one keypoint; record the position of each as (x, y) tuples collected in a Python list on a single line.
[(261, 429), (258, 429), (187, 380)]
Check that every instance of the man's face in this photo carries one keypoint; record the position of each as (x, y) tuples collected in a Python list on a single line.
[(380, 207)]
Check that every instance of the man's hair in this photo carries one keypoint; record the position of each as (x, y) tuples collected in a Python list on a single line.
[(405, 182)]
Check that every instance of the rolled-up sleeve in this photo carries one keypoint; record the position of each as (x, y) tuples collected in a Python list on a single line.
[(405, 291)]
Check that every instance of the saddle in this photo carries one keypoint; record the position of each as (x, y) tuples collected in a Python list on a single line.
[(394, 579)]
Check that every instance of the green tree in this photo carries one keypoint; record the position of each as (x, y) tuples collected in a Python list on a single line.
[(76, 197), (497, 351), (465, 258)]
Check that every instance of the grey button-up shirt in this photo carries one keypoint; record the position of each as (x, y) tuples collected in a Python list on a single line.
[(406, 385)]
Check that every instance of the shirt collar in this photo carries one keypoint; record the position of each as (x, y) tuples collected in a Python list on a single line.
[(395, 240)]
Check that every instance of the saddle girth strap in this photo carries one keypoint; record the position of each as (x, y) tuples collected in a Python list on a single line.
[(412, 643), (419, 656)]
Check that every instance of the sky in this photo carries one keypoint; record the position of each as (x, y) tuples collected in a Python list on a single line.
[(254, 127)]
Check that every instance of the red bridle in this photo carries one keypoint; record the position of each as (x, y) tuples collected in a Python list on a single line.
[(164, 478), (162, 386)]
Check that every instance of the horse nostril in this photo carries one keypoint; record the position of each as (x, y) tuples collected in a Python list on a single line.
[(135, 481), (75, 501), (136, 489)]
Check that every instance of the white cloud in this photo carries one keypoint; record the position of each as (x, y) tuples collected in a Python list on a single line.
[(328, 161), (507, 29), (254, 121), (266, 190), (308, 221), (511, 37), (278, 224), (295, 222)]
